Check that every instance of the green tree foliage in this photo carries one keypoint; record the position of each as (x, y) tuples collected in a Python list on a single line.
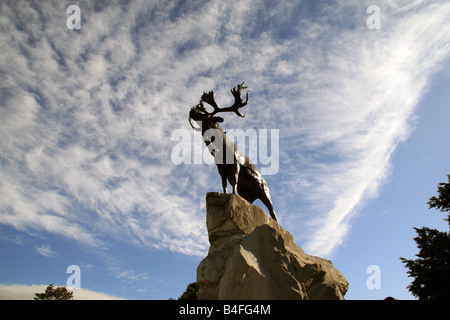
[(431, 269), (190, 293), (52, 293), (442, 202)]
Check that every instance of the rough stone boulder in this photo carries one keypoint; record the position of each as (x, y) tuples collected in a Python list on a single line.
[(252, 257)]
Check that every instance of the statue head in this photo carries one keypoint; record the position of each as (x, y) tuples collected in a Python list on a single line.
[(208, 120)]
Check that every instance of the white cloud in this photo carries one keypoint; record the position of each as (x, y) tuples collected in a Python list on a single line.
[(46, 251), (76, 163), (26, 292), (89, 114), (128, 276), (363, 99)]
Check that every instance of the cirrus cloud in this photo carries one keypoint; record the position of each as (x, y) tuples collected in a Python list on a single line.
[(87, 116)]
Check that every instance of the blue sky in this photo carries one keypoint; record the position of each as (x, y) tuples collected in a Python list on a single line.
[(87, 115)]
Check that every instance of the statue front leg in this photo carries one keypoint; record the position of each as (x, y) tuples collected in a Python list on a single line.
[(223, 174), (224, 183), (236, 178)]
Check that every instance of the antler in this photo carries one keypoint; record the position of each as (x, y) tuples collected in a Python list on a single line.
[(238, 103)]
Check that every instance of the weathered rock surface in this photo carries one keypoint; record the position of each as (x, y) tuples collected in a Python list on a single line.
[(252, 257)]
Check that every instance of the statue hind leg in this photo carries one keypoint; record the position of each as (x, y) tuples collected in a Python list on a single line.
[(265, 198), (233, 177), (268, 203)]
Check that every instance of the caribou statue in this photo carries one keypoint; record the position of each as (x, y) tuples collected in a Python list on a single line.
[(233, 165)]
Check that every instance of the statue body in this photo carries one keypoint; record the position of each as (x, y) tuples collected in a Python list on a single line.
[(233, 165)]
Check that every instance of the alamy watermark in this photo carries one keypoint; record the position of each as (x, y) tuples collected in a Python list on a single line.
[(261, 147), (374, 280), (374, 20), (74, 280), (74, 20)]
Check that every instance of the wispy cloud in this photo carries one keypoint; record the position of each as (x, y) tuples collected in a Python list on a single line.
[(46, 251), (364, 98), (128, 275), (86, 149), (87, 116)]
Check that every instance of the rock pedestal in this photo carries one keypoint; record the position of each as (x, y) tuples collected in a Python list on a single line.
[(252, 257)]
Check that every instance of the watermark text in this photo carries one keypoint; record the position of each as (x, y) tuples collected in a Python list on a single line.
[(261, 147)]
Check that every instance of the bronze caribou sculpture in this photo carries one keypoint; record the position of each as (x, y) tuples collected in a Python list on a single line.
[(233, 165)]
